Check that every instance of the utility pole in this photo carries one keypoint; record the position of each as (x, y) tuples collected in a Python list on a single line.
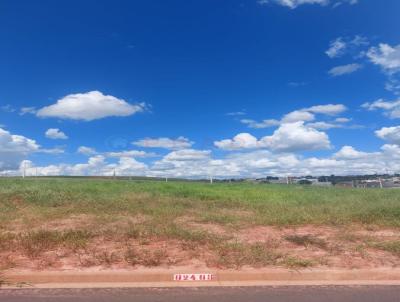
[(380, 183), (24, 170)]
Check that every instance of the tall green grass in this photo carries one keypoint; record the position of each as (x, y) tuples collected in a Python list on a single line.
[(33, 201)]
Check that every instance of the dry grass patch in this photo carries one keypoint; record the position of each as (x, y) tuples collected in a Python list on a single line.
[(392, 247), (171, 231), (33, 244), (146, 258), (236, 255), (307, 240), (297, 263)]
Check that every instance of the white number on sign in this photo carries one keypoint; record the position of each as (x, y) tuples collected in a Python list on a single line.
[(193, 277)]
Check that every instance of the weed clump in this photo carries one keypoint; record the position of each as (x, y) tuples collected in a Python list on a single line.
[(146, 258), (296, 263), (391, 247), (237, 254), (307, 240), (35, 243)]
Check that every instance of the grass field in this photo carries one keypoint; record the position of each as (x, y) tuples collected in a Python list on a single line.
[(59, 223)]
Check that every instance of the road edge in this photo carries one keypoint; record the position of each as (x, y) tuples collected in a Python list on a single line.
[(164, 278)]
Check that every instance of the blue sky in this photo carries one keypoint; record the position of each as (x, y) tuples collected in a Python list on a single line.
[(198, 88)]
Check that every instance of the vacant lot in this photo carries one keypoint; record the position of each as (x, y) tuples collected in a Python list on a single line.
[(86, 223)]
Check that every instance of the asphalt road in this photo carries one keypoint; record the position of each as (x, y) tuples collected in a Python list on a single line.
[(218, 294)]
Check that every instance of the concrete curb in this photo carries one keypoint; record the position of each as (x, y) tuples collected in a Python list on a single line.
[(164, 278)]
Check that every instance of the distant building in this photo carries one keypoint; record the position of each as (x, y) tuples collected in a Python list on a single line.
[(322, 184), (379, 183), (305, 180), (345, 184), (281, 180)]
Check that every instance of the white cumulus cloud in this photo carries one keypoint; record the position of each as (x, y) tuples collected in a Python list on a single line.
[(329, 109), (240, 141), (165, 143), (289, 137), (390, 108), (27, 110), (90, 106), (129, 153), (55, 133), (86, 150), (115, 154), (324, 125), (296, 137), (343, 45), (259, 125), (336, 48), (390, 134), (297, 116), (96, 165), (294, 3), (344, 69), (188, 155), (342, 120), (349, 152), (301, 115), (385, 56), (14, 148)]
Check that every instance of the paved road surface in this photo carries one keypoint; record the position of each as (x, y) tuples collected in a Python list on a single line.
[(218, 294)]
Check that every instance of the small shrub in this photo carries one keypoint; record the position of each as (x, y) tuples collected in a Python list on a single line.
[(2, 280), (236, 254), (35, 243), (307, 240), (391, 247), (154, 258), (133, 233), (6, 241), (76, 239), (294, 262), (230, 255), (107, 258), (132, 257), (259, 255)]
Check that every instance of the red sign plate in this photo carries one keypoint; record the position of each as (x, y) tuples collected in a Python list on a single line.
[(193, 277)]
